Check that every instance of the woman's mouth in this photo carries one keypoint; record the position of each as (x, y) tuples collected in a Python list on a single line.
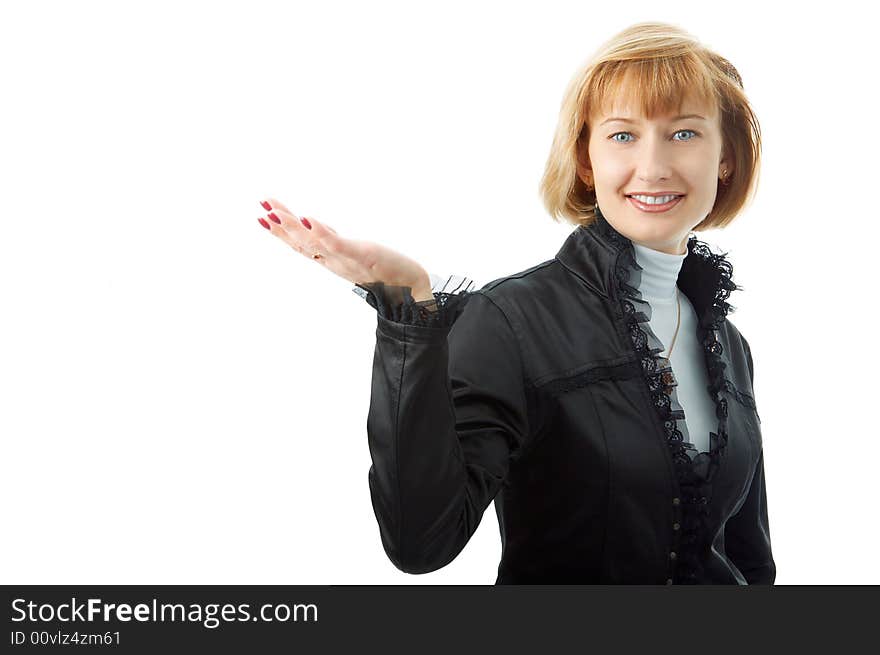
[(653, 207)]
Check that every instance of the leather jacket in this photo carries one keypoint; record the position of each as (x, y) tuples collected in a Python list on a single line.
[(545, 392)]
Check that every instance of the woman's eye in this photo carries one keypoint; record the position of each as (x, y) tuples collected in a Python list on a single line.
[(694, 132)]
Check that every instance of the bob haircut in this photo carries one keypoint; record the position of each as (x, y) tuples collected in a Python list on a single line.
[(655, 67)]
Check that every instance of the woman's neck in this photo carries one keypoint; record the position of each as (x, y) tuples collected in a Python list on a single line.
[(659, 273)]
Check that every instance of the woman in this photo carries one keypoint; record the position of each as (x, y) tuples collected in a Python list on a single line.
[(552, 390)]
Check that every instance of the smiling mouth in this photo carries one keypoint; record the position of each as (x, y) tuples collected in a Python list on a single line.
[(654, 195), (654, 208)]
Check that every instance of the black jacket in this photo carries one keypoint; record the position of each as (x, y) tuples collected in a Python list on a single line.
[(544, 391)]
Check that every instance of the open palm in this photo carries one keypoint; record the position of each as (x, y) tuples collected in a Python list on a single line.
[(359, 262)]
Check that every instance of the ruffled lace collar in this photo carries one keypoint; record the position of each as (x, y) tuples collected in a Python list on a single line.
[(706, 278)]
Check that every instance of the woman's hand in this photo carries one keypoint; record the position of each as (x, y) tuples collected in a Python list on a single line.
[(359, 262)]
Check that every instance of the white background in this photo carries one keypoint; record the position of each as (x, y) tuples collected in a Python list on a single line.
[(183, 398)]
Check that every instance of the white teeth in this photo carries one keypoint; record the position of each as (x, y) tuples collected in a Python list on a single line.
[(652, 200)]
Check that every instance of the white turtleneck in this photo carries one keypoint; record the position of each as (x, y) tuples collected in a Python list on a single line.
[(659, 276)]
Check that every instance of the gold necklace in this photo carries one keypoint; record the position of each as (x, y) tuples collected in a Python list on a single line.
[(677, 324), (668, 379)]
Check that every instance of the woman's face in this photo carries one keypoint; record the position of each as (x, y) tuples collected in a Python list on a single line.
[(667, 154)]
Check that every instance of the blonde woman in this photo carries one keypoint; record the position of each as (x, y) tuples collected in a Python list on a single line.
[(602, 398)]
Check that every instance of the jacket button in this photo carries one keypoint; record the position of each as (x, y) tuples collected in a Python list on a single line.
[(672, 555), (668, 580), (675, 501), (675, 526)]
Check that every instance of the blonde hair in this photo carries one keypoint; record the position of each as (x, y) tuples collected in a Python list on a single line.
[(656, 65)]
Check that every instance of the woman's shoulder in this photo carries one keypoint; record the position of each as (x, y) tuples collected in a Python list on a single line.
[(546, 286)]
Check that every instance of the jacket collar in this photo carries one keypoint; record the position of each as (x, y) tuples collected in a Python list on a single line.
[(605, 260)]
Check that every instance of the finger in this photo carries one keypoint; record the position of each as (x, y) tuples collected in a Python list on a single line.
[(332, 244), (311, 241), (297, 241), (297, 226), (274, 203), (309, 223), (316, 234), (312, 221)]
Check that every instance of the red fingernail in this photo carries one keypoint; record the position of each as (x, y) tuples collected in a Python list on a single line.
[(266, 205), (305, 222), (275, 218), (264, 224)]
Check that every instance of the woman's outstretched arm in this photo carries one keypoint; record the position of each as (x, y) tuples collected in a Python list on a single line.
[(447, 414), (447, 409)]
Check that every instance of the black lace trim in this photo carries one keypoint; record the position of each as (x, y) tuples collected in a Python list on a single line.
[(706, 279), (397, 304)]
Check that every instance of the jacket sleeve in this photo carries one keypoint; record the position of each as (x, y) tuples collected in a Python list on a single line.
[(747, 534), (447, 413)]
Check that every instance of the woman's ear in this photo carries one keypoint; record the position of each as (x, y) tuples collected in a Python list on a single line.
[(725, 170), (584, 172), (725, 166)]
